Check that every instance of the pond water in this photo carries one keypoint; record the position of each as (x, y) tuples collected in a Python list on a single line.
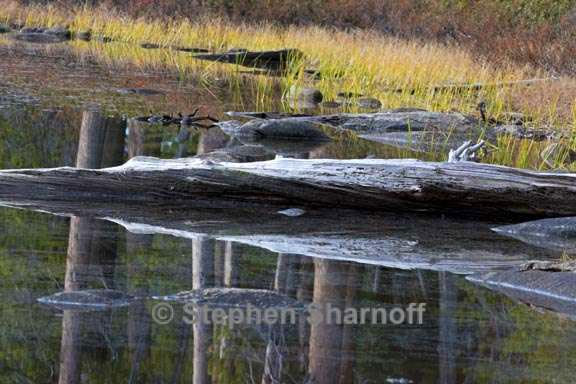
[(468, 333)]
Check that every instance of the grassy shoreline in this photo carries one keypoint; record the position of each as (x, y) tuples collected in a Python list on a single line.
[(360, 61)]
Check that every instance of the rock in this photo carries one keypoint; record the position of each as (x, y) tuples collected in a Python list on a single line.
[(550, 266), (149, 46), (88, 299), (515, 118), (140, 91), (239, 154), (104, 39), (557, 234), (303, 97), (234, 297), (277, 129), (61, 32), (369, 103), (292, 212), (522, 132), (84, 35)]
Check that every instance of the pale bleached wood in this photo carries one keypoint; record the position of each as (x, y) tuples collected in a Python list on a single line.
[(368, 184)]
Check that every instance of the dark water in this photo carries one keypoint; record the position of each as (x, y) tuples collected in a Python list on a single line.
[(468, 333)]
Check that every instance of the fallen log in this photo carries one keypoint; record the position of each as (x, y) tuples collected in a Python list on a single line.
[(405, 241), (406, 128), (370, 184), (380, 122)]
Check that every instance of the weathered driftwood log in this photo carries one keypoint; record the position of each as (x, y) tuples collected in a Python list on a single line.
[(266, 59), (405, 241), (371, 184), (382, 122), (407, 128)]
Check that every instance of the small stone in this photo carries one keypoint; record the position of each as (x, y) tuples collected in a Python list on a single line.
[(369, 103), (61, 32), (292, 212), (279, 129), (149, 46), (84, 35), (304, 96)]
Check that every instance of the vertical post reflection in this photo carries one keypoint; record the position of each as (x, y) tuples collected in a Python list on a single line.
[(202, 277), (90, 242), (448, 328), (326, 338)]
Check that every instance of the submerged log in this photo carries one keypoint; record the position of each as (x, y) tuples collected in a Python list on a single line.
[(370, 184), (265, 59)]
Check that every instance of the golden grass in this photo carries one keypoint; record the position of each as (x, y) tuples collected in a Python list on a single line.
[(361, 62)]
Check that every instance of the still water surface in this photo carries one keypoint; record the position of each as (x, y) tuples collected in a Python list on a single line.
[(469, 334)]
